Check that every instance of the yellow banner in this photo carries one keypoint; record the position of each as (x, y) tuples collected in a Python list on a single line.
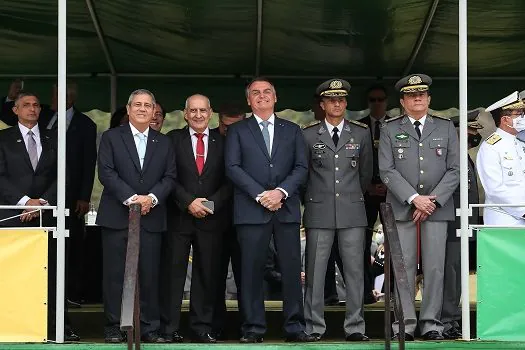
[(23, 295)]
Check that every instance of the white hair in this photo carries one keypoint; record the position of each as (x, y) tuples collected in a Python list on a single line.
[(188, 100)]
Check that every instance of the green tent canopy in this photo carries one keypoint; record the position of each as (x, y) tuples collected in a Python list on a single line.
[(176, 48)]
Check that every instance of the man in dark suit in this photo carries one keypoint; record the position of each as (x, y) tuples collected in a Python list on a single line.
[(376, 191), (136, 164), (193, 222), (28, 176), (8, 102), (81, 157), (266, 161), (228, 115)]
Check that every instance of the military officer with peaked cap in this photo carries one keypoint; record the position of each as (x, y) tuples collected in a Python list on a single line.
[(419, 164), (340, 169), (501, 162), (451, 312)]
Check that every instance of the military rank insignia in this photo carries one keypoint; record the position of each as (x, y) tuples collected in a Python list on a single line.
[(493, 139), (402, 136)]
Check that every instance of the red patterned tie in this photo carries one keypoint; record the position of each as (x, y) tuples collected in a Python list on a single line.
[(199, 159)]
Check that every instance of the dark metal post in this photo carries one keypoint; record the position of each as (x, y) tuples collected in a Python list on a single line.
[(130, 312)]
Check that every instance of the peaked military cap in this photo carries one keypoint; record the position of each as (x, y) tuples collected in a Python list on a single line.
[(333, 88), (516, 100), (472, 120), (414, 83)]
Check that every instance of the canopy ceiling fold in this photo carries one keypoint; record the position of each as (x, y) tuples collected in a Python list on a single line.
[(176, 48)]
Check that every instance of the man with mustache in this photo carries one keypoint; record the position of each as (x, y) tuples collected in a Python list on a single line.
[(419, 163)]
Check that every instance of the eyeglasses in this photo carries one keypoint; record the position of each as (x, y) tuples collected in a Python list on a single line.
[(376, 99)]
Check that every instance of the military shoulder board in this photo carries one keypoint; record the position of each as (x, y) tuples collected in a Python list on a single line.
[(315, 122), (492, 139), (393, 118), (440, 117), (363, 125)]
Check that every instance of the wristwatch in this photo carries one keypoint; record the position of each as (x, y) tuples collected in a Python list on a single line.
[(154, 201)]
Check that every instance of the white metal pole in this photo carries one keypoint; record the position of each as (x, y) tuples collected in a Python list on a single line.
[(463, 152), (61, 171)]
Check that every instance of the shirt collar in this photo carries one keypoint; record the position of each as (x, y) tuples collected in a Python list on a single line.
[(193, 132), (374, 120), (69, 113), (134, 131), (422, 120), (330, 127), (505, 134), (259, 120), (24, 130)]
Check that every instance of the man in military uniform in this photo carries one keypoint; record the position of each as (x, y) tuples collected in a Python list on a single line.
[(419, 164), (340, 169), (501, 162), (451, 312)]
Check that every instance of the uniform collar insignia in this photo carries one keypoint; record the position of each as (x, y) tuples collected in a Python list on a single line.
[(322, 129)]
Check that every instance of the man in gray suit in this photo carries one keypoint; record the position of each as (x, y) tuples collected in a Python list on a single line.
[(419, 164), (339, 171)]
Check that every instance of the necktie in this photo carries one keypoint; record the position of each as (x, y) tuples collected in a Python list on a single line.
[(266, 135), (376, 130), (335, 136), (416, 126), (31, 149), (199, 156), (141, 147)]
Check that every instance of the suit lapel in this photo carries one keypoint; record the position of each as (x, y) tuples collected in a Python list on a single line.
[(46, 149), (324, 136), (19, 145), (407, 126), (345, 136), (212, 153), (150, 147), (428, 127), (277, 134), (257, 134), (127, 137)]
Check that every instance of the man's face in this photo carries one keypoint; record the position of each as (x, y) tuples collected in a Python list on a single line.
[(140, 111), (27, 109), (15, 88), (70, 101), (158, 118), (226, 121), (198, 113), (415, 102), (334, 107), (261, 96), (377, 102), (319, 114)]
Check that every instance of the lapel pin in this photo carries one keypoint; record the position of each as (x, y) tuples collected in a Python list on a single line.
[(18, 140)]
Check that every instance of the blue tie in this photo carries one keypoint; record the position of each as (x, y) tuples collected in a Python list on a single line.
[(266, 134), (141, 149)]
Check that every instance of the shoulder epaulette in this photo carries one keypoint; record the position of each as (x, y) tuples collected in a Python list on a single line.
[(440, 117), (314, 123), (492, 139), (393, 118), (363, 125)]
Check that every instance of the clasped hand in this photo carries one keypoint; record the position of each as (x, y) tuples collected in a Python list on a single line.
[(197, 209), (424, 207), (271, 199), (146, 203)]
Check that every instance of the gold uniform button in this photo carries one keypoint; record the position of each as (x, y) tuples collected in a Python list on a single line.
[(420, 186), (420, 158), (420, 145), (336, 169), (337, 194), (422, 172), (336, 181), (337, 155)]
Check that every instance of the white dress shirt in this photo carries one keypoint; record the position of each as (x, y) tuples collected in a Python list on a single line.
[(69, 115), (194, 142), (135, 132), (270, 128), (36, 135), (331, 127), (422, 121), (270, 131)]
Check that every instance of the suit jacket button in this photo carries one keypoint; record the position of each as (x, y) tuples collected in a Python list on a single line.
[(141, 181), (200, 182)]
